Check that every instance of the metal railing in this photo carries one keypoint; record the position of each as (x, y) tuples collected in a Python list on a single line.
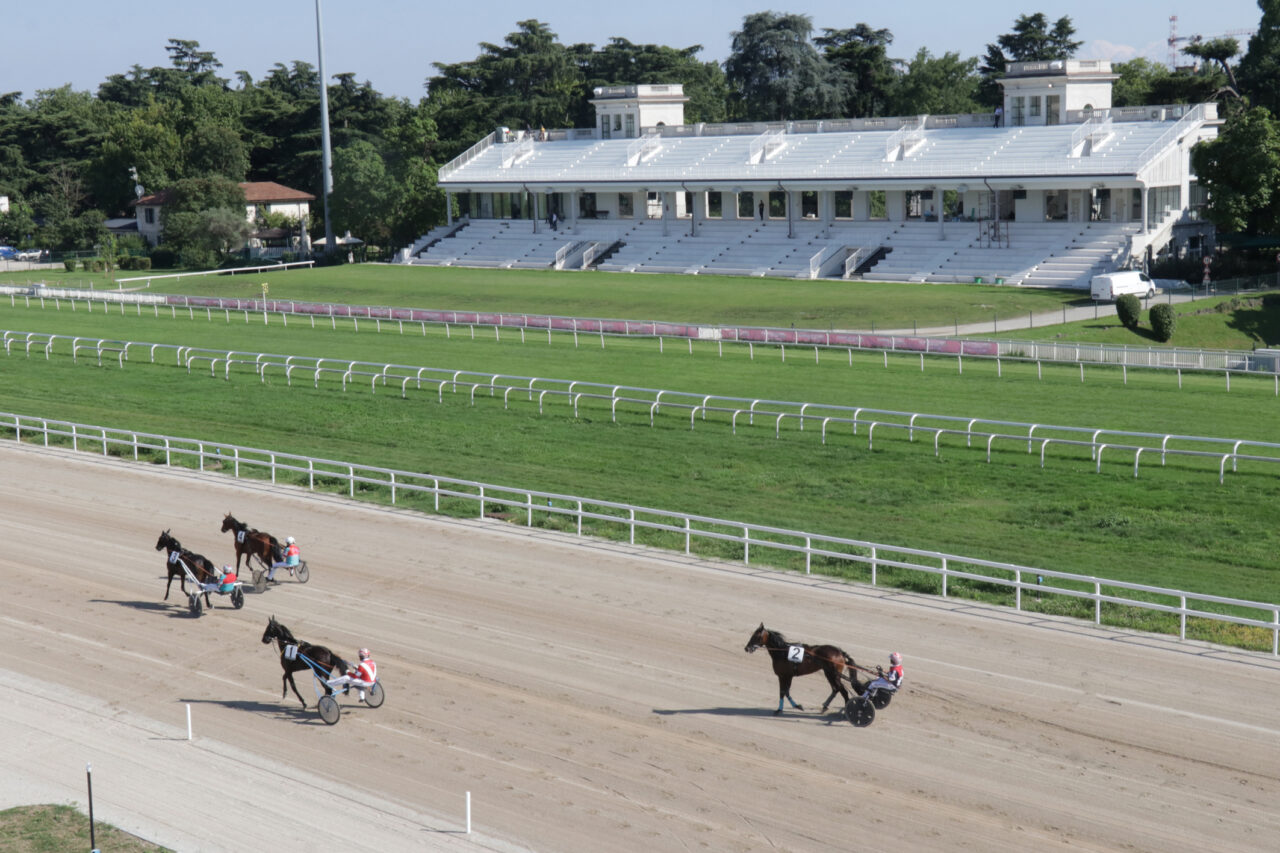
[(989, 432), (529, 505)]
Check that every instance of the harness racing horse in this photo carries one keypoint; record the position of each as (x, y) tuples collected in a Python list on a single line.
[(319, 655), (202, 567), (252, 543), (792, 659)]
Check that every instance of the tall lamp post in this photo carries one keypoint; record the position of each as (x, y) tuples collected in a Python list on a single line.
[(326, 158)]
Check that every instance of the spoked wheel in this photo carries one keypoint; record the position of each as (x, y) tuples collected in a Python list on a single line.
[(860, 711), (329, 710), (304, 574), (375, 695), (237, 598), (259, 579), (194, 602), (881, 699)]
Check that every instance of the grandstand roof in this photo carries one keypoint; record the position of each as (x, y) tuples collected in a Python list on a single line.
[(827, 154)]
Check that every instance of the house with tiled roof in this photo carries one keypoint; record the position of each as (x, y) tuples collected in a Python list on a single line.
[(260, 197)]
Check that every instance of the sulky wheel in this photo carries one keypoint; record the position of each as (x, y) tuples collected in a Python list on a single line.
[(196, 605), (237, 598), (375, 695), (304, 574), (880, 699), (329, 710), (860, 711)]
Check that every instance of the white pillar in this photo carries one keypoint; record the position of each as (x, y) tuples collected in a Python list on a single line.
[(448, 207), (938, 210), (791, 198)]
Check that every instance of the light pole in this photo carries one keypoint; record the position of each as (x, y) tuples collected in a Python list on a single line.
[(326, 156)]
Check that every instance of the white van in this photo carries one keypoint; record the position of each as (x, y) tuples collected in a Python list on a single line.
[(1113, 284)]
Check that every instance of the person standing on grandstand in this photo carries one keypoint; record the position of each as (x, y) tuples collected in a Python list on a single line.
[(762, 211)]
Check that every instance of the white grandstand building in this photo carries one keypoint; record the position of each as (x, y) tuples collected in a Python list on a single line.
[(1056, 187)]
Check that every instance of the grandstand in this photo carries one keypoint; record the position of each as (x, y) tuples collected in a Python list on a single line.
[(1066, 187)]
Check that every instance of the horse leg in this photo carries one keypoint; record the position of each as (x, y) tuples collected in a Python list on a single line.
[(784, 692), (288, 682), (833, 677), (167, 585)]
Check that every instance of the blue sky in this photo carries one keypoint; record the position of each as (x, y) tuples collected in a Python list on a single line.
[(392, 43)]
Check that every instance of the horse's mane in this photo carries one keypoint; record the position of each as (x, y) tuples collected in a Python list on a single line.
[(285, 634), (778, 636)]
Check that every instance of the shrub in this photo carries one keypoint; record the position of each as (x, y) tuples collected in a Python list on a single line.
[(1129, 310), (94, 265), (1163, 321), (69, 264), (142, 263), (163, 258)]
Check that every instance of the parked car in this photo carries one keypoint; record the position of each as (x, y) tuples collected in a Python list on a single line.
[(32, 255), (8, 253)]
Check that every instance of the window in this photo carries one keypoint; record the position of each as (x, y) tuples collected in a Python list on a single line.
[(715, 205), (604, 128), (631, 125), (1035, 106), (877, 207), (1019, 109), (625, 206), (149, 215), (617, 121), (745, 205), (844, 204), (809, 204)]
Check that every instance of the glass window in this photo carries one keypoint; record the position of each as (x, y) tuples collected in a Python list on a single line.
[(631, 125), (715, 205), (1035, 106), (745, 202), (809, 204), (844, 204), (877, 207), (625, 205), (1019, 105), (149, 214)]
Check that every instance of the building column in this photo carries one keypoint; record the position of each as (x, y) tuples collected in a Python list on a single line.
[(575, 201), (1145, 192), (699, 212), (668, 200), (792, 198), (938, 210), (895, 205), (448, 207), (860, 206)]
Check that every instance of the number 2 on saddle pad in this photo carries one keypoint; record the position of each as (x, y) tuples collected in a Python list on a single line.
[(795, 654)]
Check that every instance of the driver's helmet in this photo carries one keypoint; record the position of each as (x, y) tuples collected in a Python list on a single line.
[(364, 654), (288, 540), (895, 658)]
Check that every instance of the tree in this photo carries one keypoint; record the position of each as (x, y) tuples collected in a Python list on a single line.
[(203, 220), (866, 73), (1032, 40), (1219, 51), (938, 85), (530, 81), (1145, 82), (776, 73), (621, 63), (1260, 66), (362, 191), (1241, 172)]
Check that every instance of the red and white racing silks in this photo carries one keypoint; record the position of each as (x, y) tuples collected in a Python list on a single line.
[(367, 671)]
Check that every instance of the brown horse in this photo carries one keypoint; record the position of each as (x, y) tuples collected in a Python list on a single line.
[(252, 543), (792, 659), (202, 567), (318, 659)]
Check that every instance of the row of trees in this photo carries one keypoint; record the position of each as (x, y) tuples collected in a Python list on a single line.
[(65, 156)]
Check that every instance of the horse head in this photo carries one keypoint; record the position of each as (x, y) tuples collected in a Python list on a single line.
[(273, 631), (229, 523), (759, 638), (165, 541)]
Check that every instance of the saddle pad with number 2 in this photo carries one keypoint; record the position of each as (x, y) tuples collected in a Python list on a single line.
[(795, 654)]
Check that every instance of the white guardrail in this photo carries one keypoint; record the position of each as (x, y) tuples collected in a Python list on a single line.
[(826, 416), (532, 503)]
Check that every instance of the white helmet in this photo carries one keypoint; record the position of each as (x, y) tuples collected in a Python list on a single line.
[(288, 540), (895, 658), (226, 570), (364, 654)]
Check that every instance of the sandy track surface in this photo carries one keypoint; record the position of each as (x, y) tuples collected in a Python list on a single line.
[(590, 696)]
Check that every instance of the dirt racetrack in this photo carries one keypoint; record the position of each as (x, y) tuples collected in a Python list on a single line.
[(591, 696)]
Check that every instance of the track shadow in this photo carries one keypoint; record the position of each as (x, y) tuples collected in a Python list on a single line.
[(293, 713), (136, 605), (831, 716)]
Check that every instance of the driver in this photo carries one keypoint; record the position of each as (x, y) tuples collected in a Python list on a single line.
[(227, 582), (291, 559), (361, 677), (890, 680)]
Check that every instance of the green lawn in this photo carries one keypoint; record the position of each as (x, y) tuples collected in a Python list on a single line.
[(676, 298)]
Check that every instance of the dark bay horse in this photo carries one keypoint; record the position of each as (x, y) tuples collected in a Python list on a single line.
[(322, 657), (202, 567), (792, 659), (252, 543)]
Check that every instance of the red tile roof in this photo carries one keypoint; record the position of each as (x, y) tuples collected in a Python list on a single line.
[(255, 192)]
